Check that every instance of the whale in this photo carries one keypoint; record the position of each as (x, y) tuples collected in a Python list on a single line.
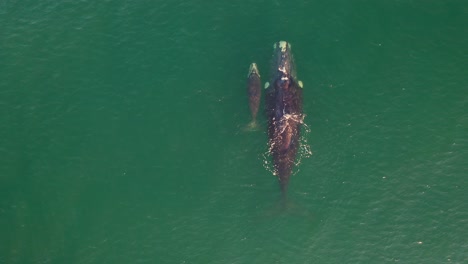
[(283, 108), (254, 90)]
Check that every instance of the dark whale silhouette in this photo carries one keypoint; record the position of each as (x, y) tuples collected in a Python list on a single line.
[(254, 89), (283, 97)]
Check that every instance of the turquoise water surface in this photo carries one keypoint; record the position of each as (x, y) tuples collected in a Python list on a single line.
[(122, 132)]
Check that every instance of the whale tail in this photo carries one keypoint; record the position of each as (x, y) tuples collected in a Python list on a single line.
[(289, 208)]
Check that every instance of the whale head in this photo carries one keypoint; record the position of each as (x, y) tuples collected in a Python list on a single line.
[(283, 64), (253, 69)]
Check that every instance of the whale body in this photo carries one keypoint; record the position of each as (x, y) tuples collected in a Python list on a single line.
[(254, 90), (283, 103)]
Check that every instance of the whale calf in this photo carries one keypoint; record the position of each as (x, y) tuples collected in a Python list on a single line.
[(283, 105), (254, 90)]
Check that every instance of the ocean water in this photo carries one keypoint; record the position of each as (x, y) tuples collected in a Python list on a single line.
[(122, 133)]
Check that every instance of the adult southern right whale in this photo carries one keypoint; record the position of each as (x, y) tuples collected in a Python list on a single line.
[(283, 97)]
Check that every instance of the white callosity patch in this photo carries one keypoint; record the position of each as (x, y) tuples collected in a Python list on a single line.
[(267, 84), (284, 71), (283, 45), (253, 69)]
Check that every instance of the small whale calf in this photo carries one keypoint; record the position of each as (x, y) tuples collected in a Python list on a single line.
[(254, 90)]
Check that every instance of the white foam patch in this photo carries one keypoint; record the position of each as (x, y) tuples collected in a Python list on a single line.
[(268, 161), (304, 150)]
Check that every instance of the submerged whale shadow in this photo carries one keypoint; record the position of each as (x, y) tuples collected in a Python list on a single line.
[(286, 208)]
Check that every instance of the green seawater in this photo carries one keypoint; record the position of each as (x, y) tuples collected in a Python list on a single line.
[(122, 132)]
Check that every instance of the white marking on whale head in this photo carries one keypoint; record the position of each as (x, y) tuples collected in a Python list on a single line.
[(267, 84), (300, 84), (283, 70), (283, 45), (253, 69)]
